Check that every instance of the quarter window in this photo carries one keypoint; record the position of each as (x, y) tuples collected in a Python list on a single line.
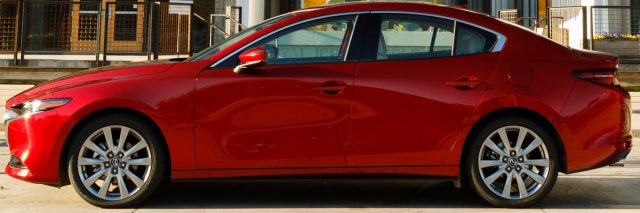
[(472, 40), (413, 37)]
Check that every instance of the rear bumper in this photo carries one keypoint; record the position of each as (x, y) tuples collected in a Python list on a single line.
[(623, 150), (596, 127)]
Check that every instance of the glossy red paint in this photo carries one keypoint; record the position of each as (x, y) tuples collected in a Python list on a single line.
[(279, 118), (413, 106), (256, 54), (409, 117)]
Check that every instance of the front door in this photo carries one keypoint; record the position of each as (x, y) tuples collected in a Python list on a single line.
[(292, 112)]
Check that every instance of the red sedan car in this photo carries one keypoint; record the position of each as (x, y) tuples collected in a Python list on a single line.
[(368, 89)]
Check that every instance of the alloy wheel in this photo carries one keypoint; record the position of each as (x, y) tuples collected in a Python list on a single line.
[(514, 162), (114, 163)]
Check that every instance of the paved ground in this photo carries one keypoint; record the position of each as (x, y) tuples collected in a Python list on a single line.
[(608, 189)]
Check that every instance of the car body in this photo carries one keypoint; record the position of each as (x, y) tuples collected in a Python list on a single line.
[(364, 107)]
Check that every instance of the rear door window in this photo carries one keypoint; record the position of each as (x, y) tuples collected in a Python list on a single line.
[(414, 37)]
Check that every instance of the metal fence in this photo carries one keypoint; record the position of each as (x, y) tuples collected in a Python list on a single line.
[(510, 15), (175, 31), (94, 28), (52, 27), (568, 26)]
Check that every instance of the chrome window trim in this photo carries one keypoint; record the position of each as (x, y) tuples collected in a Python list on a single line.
[(353, 31), (497, 47), (287, 27)]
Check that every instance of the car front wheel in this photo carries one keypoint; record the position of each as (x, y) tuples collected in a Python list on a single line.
[(513, 162), (116, 161)]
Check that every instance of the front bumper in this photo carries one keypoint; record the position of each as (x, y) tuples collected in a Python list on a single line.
[(34, 147)]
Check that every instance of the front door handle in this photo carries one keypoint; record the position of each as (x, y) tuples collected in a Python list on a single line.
[(464, 83), (331, 87)]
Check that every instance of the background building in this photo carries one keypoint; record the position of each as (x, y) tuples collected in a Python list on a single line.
[(84, 33)]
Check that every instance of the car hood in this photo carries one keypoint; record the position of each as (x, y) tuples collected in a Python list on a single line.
[(92, 76)]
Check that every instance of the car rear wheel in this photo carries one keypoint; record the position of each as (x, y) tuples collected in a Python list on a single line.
[(513, 162), (116, 161)]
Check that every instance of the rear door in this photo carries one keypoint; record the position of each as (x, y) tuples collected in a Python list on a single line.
[(423, 78)]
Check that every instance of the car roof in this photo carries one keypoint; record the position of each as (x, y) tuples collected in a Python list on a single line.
[(391, 6), (372, 3)]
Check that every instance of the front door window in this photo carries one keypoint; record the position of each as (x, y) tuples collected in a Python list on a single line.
[(315, 42)]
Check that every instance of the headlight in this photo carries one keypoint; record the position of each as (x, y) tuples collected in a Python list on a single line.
[(36, 106), (43, 105)]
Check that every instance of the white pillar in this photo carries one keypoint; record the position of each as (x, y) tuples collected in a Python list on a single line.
[(256, 12)]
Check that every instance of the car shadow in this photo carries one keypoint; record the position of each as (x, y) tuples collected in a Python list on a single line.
[(316, 193), (569, 193)]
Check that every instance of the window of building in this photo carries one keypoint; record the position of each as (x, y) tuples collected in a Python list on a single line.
[(414, 37), (88, 20), (472, 40), (8, 26), (126, 20)]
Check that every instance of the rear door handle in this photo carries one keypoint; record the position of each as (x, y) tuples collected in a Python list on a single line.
[(335, 87), (464, 83), (331, 87)]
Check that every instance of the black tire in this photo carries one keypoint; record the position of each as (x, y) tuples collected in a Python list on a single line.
[(520, 201), (155, 154)]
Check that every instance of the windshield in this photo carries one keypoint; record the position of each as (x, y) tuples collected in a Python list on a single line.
[(210, 51)]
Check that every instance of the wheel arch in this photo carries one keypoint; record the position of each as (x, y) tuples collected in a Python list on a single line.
[(510, 111), (62, 167)]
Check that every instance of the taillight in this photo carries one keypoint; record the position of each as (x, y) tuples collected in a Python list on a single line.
[(607, 77)]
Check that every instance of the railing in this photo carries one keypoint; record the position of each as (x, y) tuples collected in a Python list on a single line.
[(539, 24), (53, 27), (231, 22), (522, 19)]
